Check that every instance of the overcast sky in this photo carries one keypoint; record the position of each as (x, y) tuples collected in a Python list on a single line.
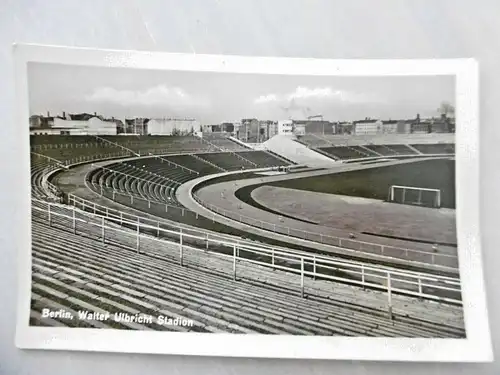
[(217, 97)]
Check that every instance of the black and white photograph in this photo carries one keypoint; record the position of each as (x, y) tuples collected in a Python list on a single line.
[(244, 203)]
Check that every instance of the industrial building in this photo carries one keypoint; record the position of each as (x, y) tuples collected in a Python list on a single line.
[(92, 126)]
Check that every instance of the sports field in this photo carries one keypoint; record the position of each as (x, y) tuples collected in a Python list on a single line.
[(375, 182)]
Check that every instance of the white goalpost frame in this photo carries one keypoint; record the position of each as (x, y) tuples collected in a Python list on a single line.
[(404, 188)]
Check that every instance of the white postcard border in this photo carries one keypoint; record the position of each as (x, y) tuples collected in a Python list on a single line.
[(475, 348)]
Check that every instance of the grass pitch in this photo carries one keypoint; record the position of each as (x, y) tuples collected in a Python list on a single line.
[(374, 183)]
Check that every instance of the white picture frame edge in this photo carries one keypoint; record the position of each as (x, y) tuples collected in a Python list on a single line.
[(476, 347)]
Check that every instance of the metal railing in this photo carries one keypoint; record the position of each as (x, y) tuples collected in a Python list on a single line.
[(430, 257), (310, 266), (142, 170), (55, 146), (116, 145), (446, 260), (132, 200), (209, 163), (229, 151), (146, 181), (108, 212), (95, 157)]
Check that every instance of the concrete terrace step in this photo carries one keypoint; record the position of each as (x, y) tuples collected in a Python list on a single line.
[(333, 290), (199, 302), (121, 253), (333, 287), (195, 280)]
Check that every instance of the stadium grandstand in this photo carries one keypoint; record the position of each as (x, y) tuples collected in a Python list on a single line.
[(176, 225)]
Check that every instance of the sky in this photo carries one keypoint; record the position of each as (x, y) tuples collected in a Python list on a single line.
[(217, 97)]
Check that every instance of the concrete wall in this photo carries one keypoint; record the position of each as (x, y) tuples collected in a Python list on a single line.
[(390, 138), (286, 146)]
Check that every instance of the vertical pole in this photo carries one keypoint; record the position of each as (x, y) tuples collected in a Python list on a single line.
[(180, 247), (207, 241), (389, 294), (114, 192), (234, 262), (74, 222), (95, 209), (158, 230), (363, 276), (166, 208), (302, 277), (131, 199), (138, 234), (103, 233), (419, 197), (403, 196), (314, 267), (49, 215), (419, 286), (272, 257), (121, 218)]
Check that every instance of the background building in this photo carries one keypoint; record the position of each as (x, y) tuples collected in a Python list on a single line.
[(73, 124), (367, 127), (172, 126), (249, 130)]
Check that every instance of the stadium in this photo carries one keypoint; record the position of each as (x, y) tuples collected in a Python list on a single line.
[(304, 234)]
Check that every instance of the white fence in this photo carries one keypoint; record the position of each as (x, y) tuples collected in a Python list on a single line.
[(429, 257), (134, 199), (307, 267), (148, 202)]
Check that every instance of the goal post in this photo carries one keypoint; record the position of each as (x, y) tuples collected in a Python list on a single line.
[(412, 195)]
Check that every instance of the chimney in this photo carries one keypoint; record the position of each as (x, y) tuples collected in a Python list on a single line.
[(48, 114), (64, 115), (95, 114)]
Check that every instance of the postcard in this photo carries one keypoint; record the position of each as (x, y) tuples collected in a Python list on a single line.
[(249, 206)]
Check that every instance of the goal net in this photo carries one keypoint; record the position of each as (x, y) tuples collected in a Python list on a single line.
[(415, 196)]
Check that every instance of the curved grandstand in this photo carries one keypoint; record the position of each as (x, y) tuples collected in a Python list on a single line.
[(213, 233)]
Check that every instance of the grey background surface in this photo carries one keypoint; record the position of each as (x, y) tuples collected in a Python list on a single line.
[(292, 28)]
